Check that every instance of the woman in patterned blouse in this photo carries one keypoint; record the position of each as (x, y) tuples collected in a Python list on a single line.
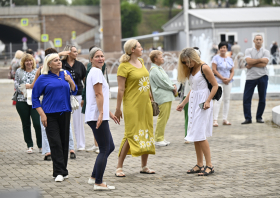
[(24, 77)]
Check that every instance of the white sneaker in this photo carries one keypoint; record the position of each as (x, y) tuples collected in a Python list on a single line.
[(94, 148), (92, 181), (97, 151), (81, 149), (166, 142), (162, 143), (59, 178), (103, 188)]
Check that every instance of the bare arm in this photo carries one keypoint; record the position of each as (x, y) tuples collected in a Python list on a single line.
[(231, 73), (211, 78), (99, 100), (183, 103), (36, 77), (121, 89), (256, 65)]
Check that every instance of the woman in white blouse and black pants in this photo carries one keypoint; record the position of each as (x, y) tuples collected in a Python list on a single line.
[(97, 116)]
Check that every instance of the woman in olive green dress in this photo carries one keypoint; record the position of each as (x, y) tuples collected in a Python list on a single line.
[(134, 91)]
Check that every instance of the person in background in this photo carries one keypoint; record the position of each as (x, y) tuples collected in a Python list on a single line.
[(15, 64), (200, 106), (97, 116), (78, 72), (235, 49), (223, 69), (95, 147), (25, 76), (257, 59), (55, 110), (163, 91), (274, 49), (134, 92), (229, 46), (45, 143)]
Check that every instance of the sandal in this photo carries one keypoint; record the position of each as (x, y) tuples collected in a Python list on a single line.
[(146, 170), (204, 173), (215, 124), (120, 174), (192, 171), (225, 122), (30, 150), (48, 158)]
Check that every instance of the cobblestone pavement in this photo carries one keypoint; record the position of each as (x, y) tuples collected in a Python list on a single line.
[(246, 160)]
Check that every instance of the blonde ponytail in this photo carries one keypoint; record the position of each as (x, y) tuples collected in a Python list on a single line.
[(129, 44)]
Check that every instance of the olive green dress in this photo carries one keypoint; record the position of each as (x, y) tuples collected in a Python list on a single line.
[(137, 110)]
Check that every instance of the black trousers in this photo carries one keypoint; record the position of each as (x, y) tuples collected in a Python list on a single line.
[(58, 135)]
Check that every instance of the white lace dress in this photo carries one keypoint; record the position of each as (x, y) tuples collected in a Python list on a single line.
[(200, 123)]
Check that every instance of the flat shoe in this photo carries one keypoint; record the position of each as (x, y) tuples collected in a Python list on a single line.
[(192, 171), (72, 156), (204, 173), (30, 150), (101, 188), (48, 158), (119, 174), (148, 171), (225, 122)]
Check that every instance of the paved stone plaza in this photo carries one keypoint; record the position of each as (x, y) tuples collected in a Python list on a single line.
[(246, 160)]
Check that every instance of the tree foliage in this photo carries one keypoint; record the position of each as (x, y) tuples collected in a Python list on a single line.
[(246, 1), (170, 4), (203, 2), (35, 2), (131, 16), (148, 2), (85, 2)]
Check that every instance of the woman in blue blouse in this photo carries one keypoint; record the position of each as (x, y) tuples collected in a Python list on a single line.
[(55, 110), (223, 69)]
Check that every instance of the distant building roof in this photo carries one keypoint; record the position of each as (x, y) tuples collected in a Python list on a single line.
[(235, 15), (229, 16)]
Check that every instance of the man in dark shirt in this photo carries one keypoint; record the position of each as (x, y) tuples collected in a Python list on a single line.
[(78, 72), (273, 51)]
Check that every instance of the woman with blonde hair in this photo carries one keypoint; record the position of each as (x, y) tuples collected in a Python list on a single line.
[(24, 76), (200, 109), (55, 110), (134, 91)]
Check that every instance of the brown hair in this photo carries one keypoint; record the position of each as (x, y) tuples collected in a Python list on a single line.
[(50, 51), (26, 57), (184, 71), (154, 55)]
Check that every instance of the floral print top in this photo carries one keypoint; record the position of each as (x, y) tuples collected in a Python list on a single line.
[(23, 77)]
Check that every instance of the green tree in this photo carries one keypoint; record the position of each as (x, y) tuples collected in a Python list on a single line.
[(60, 2), (203, 2), (31, 2), (85, 2), (170, 4), (269, 2), (246, 1), (148, 2), (131, 16), (4, 3), (232, 2)]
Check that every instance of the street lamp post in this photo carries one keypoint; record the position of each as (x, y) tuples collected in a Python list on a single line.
[(186, 18)]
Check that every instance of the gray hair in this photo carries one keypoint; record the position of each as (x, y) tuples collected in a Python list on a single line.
[(93, 51), (257, 35)]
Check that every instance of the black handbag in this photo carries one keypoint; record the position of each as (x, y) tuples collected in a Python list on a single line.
[(219, 92)]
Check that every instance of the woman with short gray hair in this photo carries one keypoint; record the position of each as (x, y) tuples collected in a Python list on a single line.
[(97, 116)]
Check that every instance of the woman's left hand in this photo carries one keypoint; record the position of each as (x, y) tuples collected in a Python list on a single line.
[(68, 78), (27, 86), (100, 120), (113, 117), (206, 105)]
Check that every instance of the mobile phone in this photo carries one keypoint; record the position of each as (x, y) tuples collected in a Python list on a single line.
[(201, 105)]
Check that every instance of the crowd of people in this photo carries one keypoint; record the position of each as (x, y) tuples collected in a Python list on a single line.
[(54, 85)]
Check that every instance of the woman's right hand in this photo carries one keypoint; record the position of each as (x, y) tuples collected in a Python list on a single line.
[(44, 120), (180, 107), (118, 114), (99, 121), (225, 81)]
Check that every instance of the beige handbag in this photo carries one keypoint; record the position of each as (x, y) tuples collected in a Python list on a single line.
[(154, 105)]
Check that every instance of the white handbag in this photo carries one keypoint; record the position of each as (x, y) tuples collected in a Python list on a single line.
[(73, 100)]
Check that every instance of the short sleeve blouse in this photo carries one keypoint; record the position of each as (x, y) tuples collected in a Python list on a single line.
[(224, 65)]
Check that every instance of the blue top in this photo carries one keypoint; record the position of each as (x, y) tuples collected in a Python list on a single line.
[(224, 65), (56, 91)]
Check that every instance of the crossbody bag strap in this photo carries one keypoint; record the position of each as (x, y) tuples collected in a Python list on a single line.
[(203, 73)]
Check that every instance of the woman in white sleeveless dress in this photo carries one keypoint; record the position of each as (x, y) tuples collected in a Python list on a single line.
[(200, 110)]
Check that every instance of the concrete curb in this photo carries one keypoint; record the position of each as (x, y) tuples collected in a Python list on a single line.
[(276, 115)]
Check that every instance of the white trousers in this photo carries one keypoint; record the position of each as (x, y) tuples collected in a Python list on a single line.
[(79, 121), (226, 99)]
